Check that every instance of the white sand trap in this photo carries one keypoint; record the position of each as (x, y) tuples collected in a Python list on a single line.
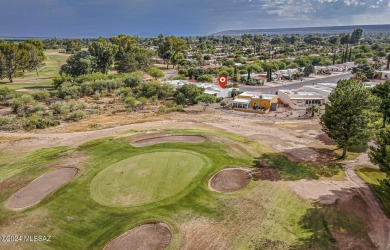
[(39, 188)]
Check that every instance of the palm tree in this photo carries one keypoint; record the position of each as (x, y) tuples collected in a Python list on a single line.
[(313, 109)]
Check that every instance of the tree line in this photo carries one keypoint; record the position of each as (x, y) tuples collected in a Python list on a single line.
[(16, 59)]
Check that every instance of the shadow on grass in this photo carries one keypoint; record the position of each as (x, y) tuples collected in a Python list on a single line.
[(340, 225), (382, 191), (292, 170)]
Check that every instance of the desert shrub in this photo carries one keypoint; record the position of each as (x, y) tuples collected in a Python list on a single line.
[(130, 103), (67, 89), (59, 80), (22, 103), (41, 95), (77, 115), (5, 120), (168, 104), (179, 77), (219, 99), (162, 110), (133, 80), (96, 96), (154, 100), (143, 101), (8, 123), (4, 94), (36, 121), (38, 108), (91, 77), (60, 109)]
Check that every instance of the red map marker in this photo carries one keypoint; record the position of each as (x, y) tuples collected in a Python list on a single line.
[(222, 80)]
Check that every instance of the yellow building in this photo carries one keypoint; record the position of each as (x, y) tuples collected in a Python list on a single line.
[(255, 102)]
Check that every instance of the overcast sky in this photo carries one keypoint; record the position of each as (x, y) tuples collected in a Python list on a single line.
[(92, 18)]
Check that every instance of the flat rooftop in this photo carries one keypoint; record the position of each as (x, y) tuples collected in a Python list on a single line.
[(257, 95)]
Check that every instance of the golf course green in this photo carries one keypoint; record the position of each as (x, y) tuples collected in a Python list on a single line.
[(145, 178)]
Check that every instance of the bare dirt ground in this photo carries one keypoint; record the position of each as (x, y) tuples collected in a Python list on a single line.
[(230, 180), (39, 188), (301, 140), (156, 236), (168, 138)]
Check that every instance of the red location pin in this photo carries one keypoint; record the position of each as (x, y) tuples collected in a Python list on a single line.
[(222, 80)]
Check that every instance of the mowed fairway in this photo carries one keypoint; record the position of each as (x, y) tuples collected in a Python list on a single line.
[(145, 178)]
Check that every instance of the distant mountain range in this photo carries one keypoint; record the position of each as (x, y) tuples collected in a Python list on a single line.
[(382, 28)]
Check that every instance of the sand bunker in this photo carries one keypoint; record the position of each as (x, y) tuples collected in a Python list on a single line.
[(39, 188), (230, 180), (154, 236), (168, 138)]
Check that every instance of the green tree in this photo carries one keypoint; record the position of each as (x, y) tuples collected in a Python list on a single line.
[(137, 59), (380, 153), (79, 64), (35, 49), (205, 78), (366, 69), (125, 43), (383, 92), (104, 52), (170, 49), (308, 70), (253, 68), (156, 72), (313, 109), (357, 34), (206, 100), (13, 60), (348, 116), (188, 94), (73, 46)]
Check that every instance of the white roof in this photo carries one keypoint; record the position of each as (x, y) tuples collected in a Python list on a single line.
[(295, 94), (242, 100), (257, 95)]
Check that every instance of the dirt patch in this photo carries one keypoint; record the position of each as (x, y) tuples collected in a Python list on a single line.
[(325, 139), (154, 236), (39, 188), (270, 174), (324, 191), (230, 180), (169, 138)]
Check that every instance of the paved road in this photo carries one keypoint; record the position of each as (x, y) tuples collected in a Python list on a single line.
[(269, 89)]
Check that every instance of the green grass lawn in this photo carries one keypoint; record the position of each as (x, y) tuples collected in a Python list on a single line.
[(374, 178), (146, 178), (175, 186)]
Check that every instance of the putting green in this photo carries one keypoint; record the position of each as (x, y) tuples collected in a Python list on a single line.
[(145, 178)]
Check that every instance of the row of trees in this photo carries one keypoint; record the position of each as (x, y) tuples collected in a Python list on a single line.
[(124, 53), (16, 59)]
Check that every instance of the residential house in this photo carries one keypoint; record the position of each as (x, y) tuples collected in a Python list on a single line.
[(255, 102), (300, 100)]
